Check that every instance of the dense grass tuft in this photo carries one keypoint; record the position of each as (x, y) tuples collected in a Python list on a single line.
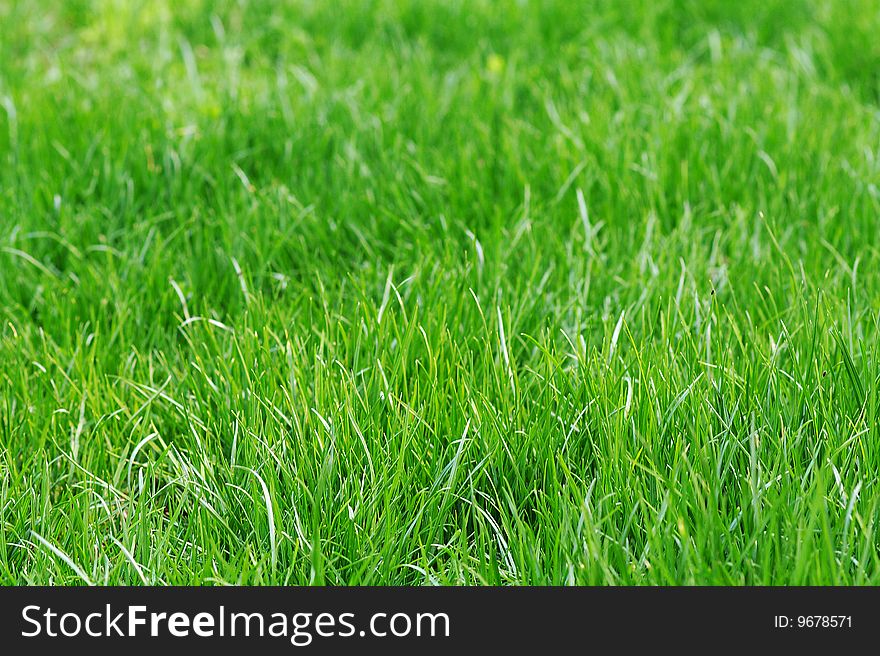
[(459, 292)]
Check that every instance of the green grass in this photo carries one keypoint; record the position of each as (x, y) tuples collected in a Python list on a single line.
[(461, 292)]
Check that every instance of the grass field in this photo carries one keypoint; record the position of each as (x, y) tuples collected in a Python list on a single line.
[(439, 293)]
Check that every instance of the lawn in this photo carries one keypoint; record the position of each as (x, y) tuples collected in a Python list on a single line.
[(439, 292)]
